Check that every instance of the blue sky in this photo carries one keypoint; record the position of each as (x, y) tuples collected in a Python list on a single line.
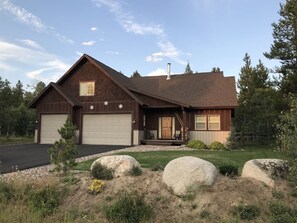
[(41, 40)]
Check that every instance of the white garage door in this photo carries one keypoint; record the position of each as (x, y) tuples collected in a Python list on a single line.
[(112, 129), (49, 128)]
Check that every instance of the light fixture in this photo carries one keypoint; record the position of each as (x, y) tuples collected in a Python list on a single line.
[(106, 103), (120, 106), (92, 107)]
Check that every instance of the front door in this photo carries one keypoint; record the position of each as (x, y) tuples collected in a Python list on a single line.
[(166, 128)]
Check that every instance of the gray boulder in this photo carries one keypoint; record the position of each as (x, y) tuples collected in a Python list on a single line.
[(184, 172), (265, 170), (121, 164)]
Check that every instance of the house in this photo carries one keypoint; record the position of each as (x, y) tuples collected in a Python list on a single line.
[(110, 108)]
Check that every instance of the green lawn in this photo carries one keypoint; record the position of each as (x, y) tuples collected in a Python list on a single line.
[(238, 157), (15, 140)]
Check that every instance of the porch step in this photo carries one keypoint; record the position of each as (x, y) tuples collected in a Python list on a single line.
[(162, 142)]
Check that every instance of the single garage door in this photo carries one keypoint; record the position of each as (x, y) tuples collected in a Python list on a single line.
[(112, 129), (49, 127)]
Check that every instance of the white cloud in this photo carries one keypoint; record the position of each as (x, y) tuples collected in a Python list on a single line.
[(79, 53), (31, 43), (112, 52), (127, 21), (88, 43), (30, 19), (35, 64), (158, 72), (93, 28), (167, 50)]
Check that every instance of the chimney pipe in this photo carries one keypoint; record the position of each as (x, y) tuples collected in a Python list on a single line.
[(168, 71)]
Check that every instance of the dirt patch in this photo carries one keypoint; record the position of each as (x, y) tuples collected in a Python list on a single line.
[(215, 202)]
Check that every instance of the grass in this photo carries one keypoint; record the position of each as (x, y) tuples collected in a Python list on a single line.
[(238, 157), (11, 140)]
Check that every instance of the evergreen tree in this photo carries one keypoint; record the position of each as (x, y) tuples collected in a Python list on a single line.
[(64, 151), (258, 102), (18, 93), (188, 69), (215, 69), (136, 74), (284, 47)]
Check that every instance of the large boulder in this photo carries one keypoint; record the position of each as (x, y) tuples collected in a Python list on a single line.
[(265, 170), (182, 173), (121, 164)]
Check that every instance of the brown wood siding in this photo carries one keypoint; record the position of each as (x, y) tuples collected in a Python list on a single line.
[(225, 116), (105, 88)]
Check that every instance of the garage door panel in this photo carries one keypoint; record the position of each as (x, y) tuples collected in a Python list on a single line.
[(111, 129), (49, 127)]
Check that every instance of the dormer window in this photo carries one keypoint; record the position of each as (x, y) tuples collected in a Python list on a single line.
[(87, 88)]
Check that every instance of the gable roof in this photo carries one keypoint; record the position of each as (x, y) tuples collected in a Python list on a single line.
[(68, 97), (202, 90)]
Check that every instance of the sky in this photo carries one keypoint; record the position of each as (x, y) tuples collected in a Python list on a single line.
[(40, 39)]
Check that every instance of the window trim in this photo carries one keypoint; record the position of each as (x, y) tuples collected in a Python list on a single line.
[(86, 82), (205, 116)]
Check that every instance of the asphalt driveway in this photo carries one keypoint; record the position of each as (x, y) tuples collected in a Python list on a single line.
[(26, 156)]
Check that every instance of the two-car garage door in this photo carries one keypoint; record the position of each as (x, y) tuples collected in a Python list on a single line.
[(107, 129)]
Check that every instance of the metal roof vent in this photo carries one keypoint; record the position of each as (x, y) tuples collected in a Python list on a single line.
[(168, 71)]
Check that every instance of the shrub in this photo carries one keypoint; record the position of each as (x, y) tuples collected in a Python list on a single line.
[(64, 151), (217, 146), (196, 144), (204, 214), (101, 172), (228, 169), (282, 213), (157, 167), (135, 171), (7, 192), (46, 200), (130, 208), (278, 194), (96, 187), (70, 179), (246, 212)]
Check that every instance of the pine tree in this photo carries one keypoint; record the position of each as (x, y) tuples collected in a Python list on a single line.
[(136, 74), (284, 47), (64, 151), (188, 69)]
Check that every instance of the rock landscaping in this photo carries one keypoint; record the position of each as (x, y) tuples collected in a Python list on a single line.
[(182, 173), (265, 170), (120, 164)]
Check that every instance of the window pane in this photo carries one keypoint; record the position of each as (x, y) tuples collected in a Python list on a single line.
[(87, 88), (214, 122), (200, 122)]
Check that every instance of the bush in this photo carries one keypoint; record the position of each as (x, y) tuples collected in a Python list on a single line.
[(135, 171), (96, 187), (228, 170), (246, 212), (282, 213), (157, 167), (70, 179), (130, 208), (217, 146), (196, 144), (101, 172), (7, 192), (46, 200)]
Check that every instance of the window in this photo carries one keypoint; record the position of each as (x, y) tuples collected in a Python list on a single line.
[(144, 120), (214, 122), (87, 88), (200, 122)]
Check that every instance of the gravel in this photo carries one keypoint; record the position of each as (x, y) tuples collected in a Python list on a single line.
[(44, 171)]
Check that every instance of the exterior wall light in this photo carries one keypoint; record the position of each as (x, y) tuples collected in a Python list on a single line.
[(106, 103), (120, 106), (92, 107)]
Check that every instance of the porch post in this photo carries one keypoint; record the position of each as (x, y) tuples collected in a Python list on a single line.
[(184, 123)]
